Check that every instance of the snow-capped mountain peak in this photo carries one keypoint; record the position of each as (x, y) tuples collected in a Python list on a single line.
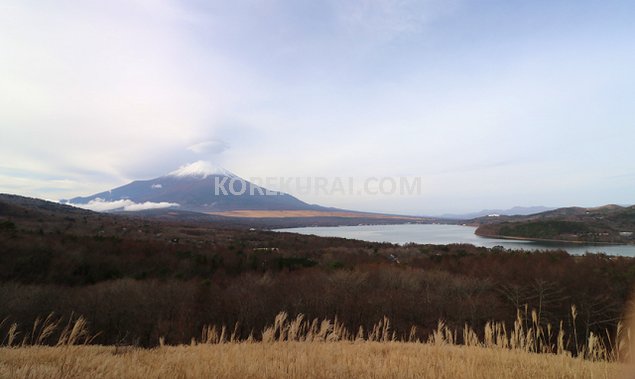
[(200, 169), (192, 188)]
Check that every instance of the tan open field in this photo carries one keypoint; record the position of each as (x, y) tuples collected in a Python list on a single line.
[(284, 214), (296, 360)]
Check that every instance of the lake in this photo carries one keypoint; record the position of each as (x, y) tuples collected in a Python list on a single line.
[(445, 234)]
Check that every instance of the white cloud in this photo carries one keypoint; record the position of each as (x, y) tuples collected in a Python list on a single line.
[(149, 205), (101, 84), (100, 205), (210, 147), (382, 20)]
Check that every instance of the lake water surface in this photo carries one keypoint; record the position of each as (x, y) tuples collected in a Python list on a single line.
[(446, 234)]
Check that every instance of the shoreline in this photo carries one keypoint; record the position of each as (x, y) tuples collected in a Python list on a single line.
[(497, 236)]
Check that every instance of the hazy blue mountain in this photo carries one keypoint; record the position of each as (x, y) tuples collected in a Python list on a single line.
[(515, 211)]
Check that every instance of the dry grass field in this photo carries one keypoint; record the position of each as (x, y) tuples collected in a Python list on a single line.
[(304, 360), (299, 348)]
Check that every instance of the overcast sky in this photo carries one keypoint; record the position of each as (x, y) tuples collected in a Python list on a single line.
[(492, 103)]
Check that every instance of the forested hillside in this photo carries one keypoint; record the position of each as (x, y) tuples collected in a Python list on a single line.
[(136, 280), (608, 224)]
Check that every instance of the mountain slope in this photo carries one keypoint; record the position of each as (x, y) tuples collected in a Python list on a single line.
[(199, 187)]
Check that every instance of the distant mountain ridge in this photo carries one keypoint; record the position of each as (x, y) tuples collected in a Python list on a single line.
[(515, 211)]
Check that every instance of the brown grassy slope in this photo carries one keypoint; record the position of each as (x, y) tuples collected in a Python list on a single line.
[(310, 213), (296, 360)]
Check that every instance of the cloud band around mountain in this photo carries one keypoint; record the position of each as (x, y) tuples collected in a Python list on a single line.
[(101, 205)]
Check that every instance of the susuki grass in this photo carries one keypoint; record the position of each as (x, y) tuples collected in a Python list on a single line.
[(525, 336), (301, 348), (48, 331)]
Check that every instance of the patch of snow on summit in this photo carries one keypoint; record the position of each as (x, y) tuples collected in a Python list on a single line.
[(200, 169)]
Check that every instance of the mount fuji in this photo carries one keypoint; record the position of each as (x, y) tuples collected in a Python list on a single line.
[(197, 187)]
